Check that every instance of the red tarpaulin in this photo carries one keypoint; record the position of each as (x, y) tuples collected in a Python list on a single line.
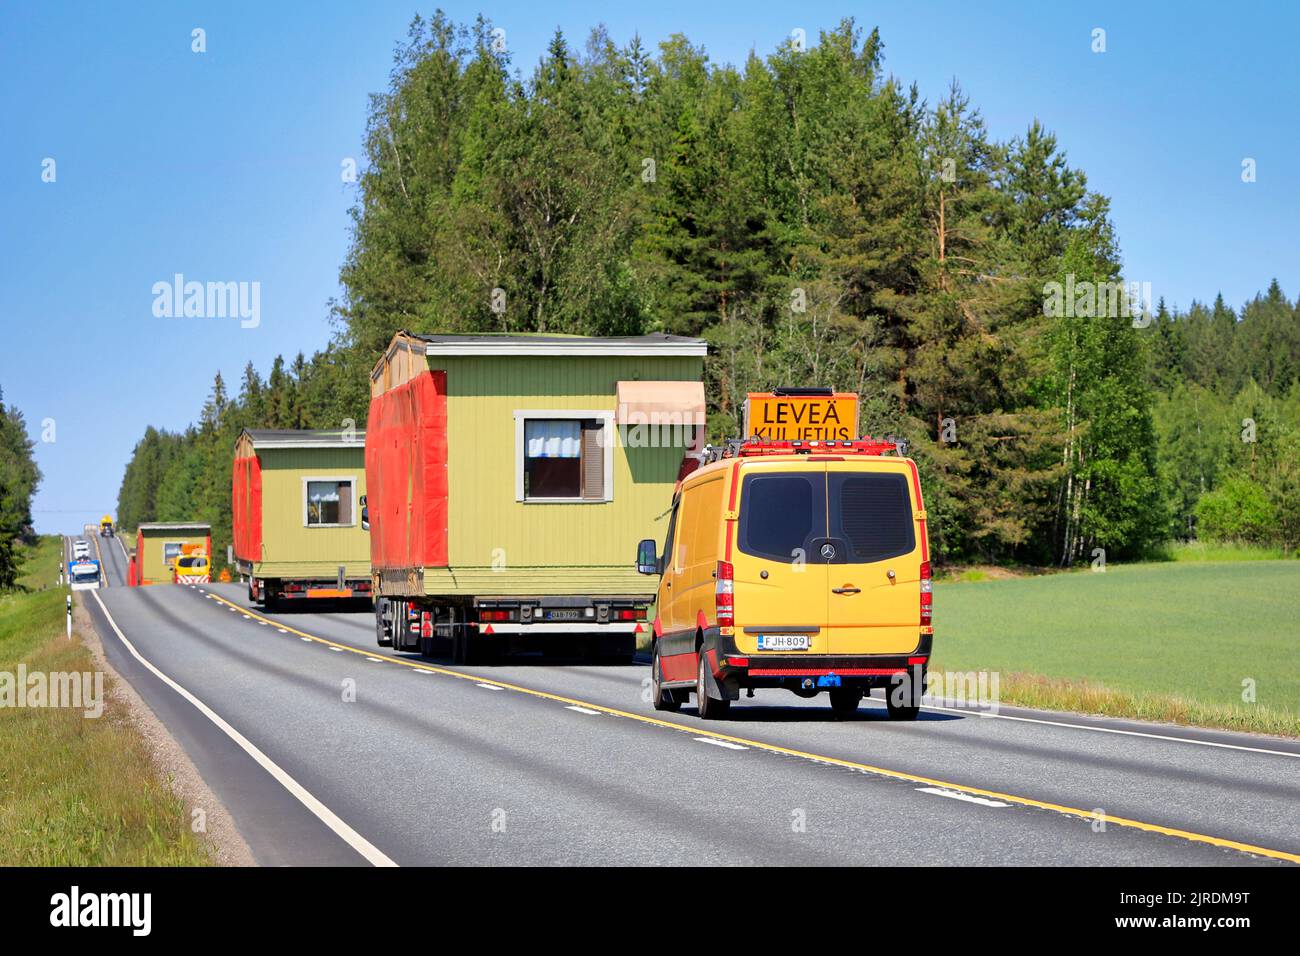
[(406, 474), (246, 508)]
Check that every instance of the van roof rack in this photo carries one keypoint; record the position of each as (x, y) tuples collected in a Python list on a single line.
[(756, 447)]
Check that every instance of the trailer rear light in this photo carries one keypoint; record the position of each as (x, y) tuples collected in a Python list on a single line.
[(927, 595), (738, 661), (293, 588), (426, 624), (913, 661), (628, 614), (724, 595), (494, 616)]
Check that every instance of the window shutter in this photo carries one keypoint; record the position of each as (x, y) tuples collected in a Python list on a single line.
[(593, 461)]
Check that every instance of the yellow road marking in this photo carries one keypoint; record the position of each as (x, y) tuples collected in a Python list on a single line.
[(790, 752)]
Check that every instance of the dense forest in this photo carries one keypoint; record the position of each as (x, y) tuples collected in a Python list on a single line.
[(818, 222), (19, 478)]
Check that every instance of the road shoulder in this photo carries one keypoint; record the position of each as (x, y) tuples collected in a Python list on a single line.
[(228, 846)]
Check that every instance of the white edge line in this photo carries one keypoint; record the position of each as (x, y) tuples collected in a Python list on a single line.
[(1113, 730), (582, 710), (721, 743), (372, 854)]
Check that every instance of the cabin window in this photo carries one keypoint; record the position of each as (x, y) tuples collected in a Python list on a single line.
[(328, 502), (564, 457)]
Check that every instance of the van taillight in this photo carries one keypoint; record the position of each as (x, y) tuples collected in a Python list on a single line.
[(426, 624), (724, 595), (927, 595)]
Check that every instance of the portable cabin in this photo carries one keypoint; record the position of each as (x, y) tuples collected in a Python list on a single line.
[(296, 506), (159, 544), (511, 477)]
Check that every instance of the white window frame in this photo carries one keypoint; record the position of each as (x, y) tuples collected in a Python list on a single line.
[(537, 414), (336, 478)]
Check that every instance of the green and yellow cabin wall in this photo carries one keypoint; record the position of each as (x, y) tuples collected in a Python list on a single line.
[(279, 533), (156, 542), (497, 544)]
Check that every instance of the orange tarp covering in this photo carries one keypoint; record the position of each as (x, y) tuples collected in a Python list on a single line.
[(246, 508), (406, 474)]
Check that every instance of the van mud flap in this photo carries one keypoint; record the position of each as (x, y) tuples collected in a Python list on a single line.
[(725, 690)]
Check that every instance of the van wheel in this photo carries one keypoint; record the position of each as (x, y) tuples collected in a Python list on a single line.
[(662, 697), (901, 702), (844, 701), (708, 707)]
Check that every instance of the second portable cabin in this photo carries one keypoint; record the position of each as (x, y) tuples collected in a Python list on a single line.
[(296, 504), (158, 544)]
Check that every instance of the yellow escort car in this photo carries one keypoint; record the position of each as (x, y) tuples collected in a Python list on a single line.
[(801, 565)]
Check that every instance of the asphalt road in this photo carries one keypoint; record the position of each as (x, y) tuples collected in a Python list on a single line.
[(352, 755)]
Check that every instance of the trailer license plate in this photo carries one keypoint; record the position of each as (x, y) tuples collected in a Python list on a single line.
[(783, 642), (563, 614)]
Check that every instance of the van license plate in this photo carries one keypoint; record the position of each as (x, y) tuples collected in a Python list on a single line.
[(563, 614), (783, 642)]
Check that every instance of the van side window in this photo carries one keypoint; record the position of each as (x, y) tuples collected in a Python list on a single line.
[(706, 502), (781, 513), (667, 554), (873, 513)]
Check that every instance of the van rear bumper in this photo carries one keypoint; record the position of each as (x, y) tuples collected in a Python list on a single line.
[(736, 670)]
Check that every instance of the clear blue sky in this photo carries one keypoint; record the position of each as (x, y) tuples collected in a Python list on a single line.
[(225, 166)]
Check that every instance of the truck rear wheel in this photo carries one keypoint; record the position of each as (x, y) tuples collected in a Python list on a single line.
[(382, 635)]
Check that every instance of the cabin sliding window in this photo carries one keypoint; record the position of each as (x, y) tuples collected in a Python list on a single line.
[(563, 458), (328, 503)]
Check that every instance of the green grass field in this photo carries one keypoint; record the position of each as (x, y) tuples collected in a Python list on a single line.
[(1169, 641), (75, 791)]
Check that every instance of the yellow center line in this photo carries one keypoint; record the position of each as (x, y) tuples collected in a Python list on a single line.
[(696, 731)]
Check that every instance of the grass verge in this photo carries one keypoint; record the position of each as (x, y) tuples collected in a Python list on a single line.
[(1200, 643), (76, 790)]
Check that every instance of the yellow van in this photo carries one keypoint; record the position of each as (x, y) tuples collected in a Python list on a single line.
[(795, 564)]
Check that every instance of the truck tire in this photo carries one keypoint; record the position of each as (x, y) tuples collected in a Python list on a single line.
[(382, 636), (709, 708), (662, 697)]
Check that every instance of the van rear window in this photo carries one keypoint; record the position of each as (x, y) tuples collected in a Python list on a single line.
[(781, 513), (872, 513)]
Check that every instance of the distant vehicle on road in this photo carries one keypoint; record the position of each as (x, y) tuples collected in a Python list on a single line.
[(84, 574), (295, 502), (795, 564), (159, 545), (106, 526), (193, 569), (80, 549)]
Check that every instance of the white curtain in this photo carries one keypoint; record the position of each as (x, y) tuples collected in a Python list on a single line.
[(553, 439)]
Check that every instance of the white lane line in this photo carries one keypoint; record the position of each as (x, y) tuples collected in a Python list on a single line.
[(337, 650), (720, 743), (263, 623), (247, 618), (967, 797), (488, 686), (306, 639), (323, 813), (582, 710), (1113, 730), (282, 630), (375, 659)]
